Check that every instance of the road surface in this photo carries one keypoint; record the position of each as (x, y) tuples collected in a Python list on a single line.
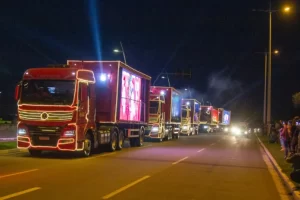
[(195, 167)]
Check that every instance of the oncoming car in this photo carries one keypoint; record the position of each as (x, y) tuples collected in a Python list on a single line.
[(239, 131)]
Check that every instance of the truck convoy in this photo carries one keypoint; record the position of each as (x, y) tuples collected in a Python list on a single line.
[(190, 117), (79, 106)]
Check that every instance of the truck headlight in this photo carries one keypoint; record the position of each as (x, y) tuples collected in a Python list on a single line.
[(22, 131), (154, 129), (69, 133)]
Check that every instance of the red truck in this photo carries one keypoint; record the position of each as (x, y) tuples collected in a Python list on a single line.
[(82, 105), (190, 118), (165, 113), (209, 119)]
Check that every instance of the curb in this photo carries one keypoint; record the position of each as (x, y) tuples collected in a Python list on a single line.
[(11, 151), (287, 182)]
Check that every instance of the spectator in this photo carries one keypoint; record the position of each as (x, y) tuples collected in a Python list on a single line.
[(284, 137)]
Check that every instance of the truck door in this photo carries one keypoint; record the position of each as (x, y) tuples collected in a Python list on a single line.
[(82, 109)]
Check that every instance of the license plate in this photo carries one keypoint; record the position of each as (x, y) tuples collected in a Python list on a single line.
[(44, 138)]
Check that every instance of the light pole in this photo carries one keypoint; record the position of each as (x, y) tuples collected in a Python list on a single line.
[(118, 51), (269, 71), (265, 83)]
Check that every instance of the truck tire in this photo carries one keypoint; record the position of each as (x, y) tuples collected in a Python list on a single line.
[(87, 146), (140, 139), (113, 141), (35, 153), (120, 140)]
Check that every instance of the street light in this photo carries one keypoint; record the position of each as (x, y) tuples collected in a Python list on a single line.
[(270, 11), (287, 9), (276, 52), (118, 51)]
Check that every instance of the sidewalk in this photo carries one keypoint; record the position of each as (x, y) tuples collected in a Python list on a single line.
[(7, 133)]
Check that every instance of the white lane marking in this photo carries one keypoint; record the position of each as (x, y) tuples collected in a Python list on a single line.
[(125, 187), (212, 144), (182, 159), (102, 155), (19, 193), (150, 145), (276, 179), (18, 173), (200, 150)]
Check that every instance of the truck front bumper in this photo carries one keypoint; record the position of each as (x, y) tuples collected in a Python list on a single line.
[(62, 144)]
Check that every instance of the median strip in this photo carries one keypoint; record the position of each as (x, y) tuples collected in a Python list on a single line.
[(19, 193), (174, 163), (17, 173), (123, 188)]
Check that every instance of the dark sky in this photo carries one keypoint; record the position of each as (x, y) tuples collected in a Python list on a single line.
[(216, 39)]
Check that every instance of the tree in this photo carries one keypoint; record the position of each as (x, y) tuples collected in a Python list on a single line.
[(296, 99)]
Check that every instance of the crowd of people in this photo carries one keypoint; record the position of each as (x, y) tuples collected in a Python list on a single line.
[(287, 133)]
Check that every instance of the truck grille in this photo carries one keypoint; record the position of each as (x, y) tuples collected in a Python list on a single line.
[(45, 116), (44, 135)]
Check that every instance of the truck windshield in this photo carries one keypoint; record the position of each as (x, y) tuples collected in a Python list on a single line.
[(49, 92), (184, 113), (154, 107)]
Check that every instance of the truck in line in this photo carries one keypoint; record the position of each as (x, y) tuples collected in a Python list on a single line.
[(209, 119), (82, 105), (164, 114), (190, 117), (224, 119)]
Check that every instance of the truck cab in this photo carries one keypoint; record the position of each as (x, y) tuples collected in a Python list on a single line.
[(157, 129)]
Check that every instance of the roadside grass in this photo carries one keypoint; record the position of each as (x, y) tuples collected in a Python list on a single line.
[(8, 145), (274, 149)]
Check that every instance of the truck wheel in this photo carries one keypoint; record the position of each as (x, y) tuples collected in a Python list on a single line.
[(87, 148), (113, 141), (120, 140), (140, 139), (35, 153)]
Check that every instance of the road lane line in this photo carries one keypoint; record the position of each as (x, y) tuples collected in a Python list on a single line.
[(200, 150), (102, 155), (19, 193), (212, 144), (123, 188), (18, 173), (276, 179), (182, 159)]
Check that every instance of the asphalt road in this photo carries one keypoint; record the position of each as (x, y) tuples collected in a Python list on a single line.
[(195, 167)]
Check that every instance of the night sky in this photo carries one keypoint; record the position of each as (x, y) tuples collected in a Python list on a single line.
[(218, 40)]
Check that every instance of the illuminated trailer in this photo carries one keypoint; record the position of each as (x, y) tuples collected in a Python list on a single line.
[(82, 105), (165, 113)]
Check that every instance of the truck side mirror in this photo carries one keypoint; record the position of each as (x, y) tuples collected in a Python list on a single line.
[(17, 90)]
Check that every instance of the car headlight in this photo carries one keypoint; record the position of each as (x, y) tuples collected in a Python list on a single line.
[(22, 131), (185, 127), (226, 129), (236, 131), (154, 129), (69, 133), (246, 132)]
